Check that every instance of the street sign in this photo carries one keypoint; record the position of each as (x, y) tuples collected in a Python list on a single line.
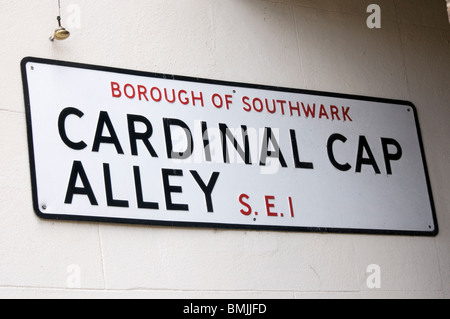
[(127, 146)]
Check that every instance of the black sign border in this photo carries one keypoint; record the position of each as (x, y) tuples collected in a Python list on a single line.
[(43, 215)]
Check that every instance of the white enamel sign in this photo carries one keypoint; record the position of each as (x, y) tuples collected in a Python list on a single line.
[(133, 147)]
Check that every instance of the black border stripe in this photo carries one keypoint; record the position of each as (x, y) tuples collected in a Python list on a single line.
[(38, 211)]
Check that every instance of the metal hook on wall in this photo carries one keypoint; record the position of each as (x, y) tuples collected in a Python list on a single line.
[(60, 33)]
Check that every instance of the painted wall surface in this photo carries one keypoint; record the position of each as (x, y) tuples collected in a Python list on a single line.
[(322, 45)]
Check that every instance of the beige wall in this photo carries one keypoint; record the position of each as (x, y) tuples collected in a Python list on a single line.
[(321, 45)]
